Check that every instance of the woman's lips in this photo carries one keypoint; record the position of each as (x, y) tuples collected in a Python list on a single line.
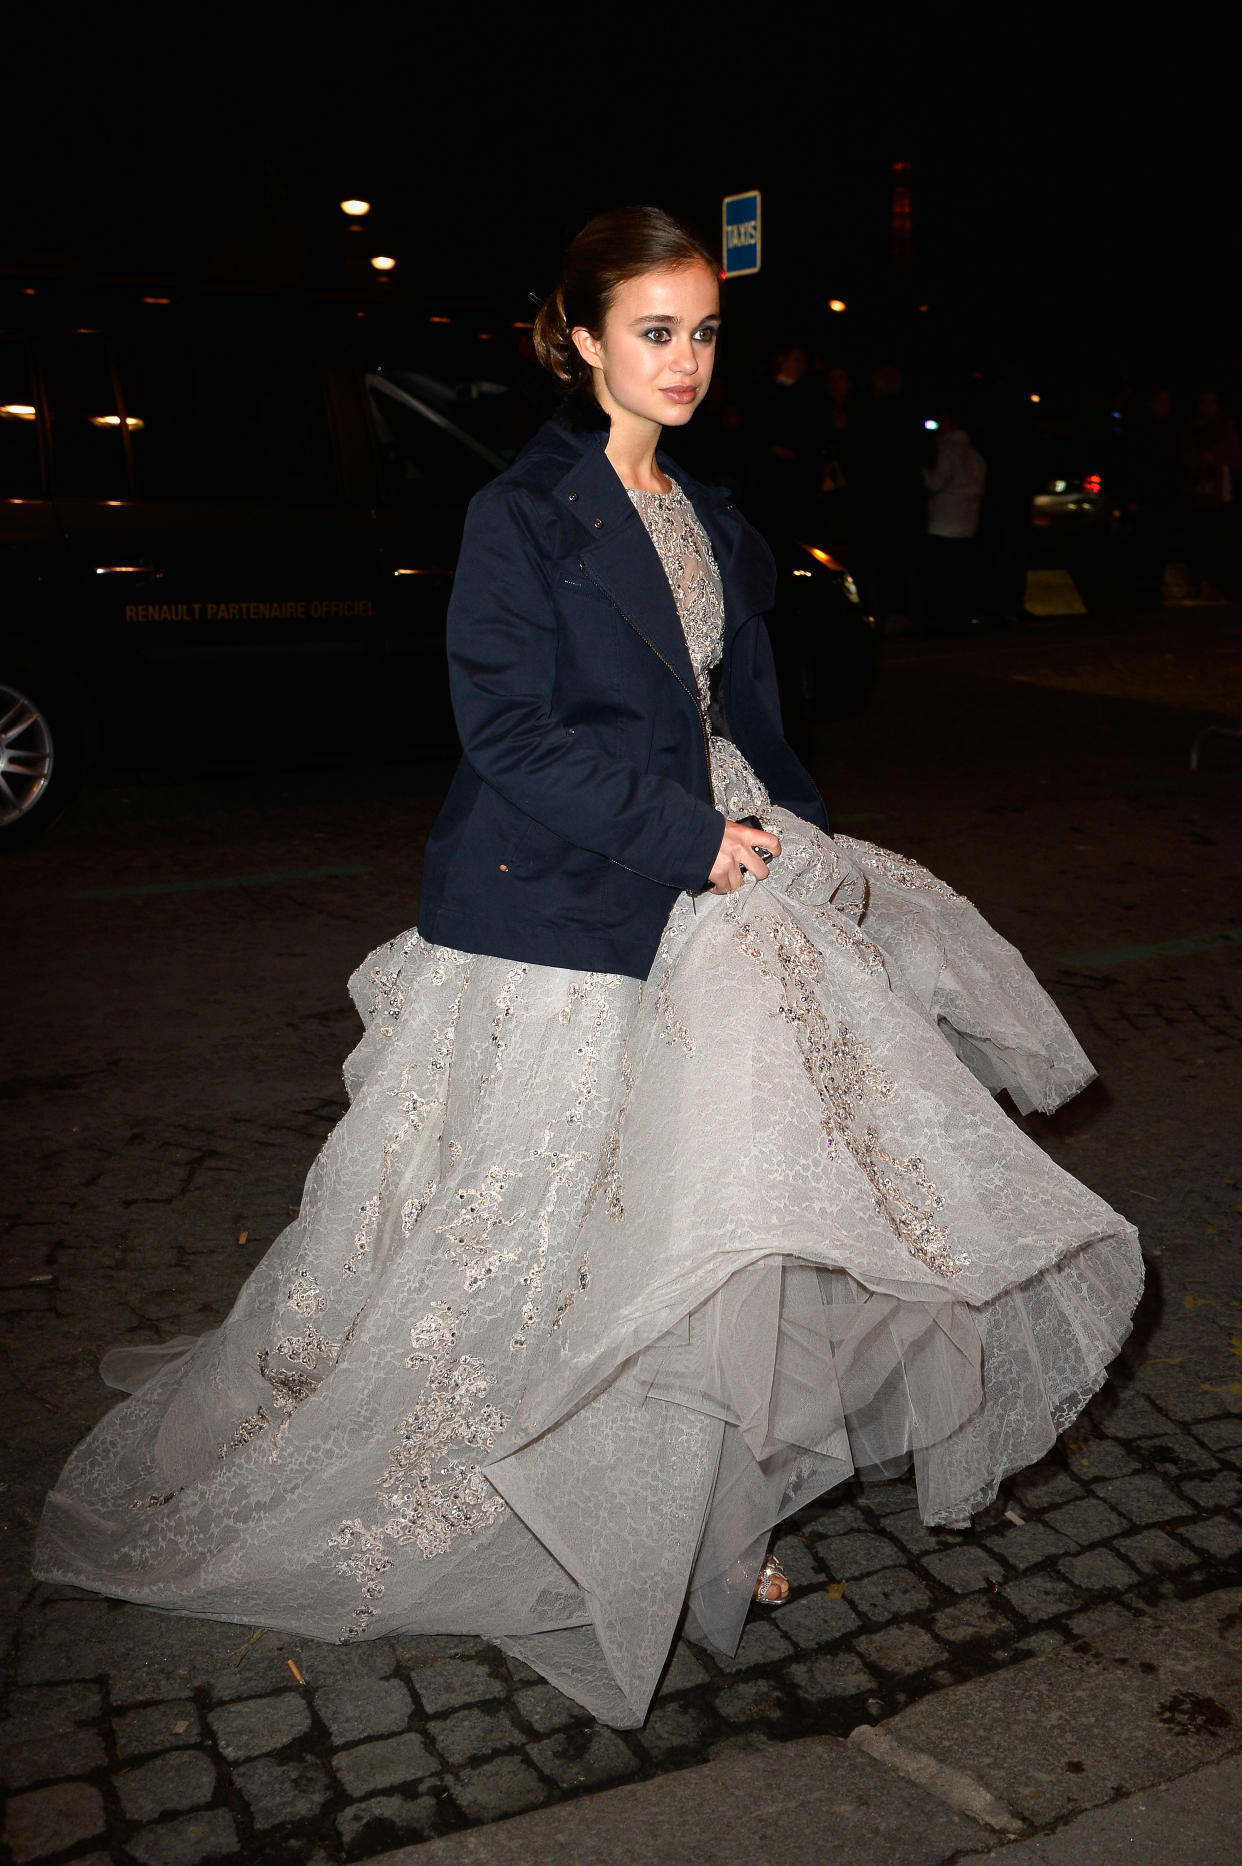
[(680, 394)]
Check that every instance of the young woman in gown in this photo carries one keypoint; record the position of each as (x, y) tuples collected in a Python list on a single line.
[(657, 1211)]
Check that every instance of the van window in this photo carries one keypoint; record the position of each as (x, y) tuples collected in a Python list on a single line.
[(226, 419), (89, 445), (20, 475), (423, 460)]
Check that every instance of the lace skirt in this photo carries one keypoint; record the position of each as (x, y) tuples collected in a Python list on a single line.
[(597, 1280)]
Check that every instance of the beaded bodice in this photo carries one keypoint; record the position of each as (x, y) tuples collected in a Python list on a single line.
[(685, 551)]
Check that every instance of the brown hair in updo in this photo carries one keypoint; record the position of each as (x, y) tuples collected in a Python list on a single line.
[(614, 247)]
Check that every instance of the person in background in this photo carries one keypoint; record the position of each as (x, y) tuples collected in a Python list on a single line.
[(887, 504), (1005, 434), (835, 487), (782, 432), (1151, 476), (1211, 456), (955, 484)]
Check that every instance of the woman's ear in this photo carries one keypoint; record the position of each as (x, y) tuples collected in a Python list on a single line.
[(587, 347)]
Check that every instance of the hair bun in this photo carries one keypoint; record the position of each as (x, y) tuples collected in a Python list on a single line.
[(554, 346)]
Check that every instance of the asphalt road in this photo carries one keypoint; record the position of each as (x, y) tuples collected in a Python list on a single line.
[(176, 956)]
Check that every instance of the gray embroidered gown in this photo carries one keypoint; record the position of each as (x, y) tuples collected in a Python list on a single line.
[(597, 1280)]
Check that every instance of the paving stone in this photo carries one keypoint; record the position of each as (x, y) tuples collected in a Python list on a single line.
[(1043, 1485), (387, 1764), (1025, 1544), (676, 1727), (833, 1675), (473, 1732), (798, 1562), (1047, 1639), (1041, 1596), (50, 1819), (1085, 1522), (259, 1725), (547, 1708), (976, 1618), (49, 1710), (1143, 1499), (761, 1644), (426, 1648), (583, 1758), (965, 1570), (454, 1682), (1181, 1398), (1219, 1434), (1179, 1455), (1222, 1492), (506, 1786), (1104, 1622), (684, 1672), (376, 1708), (40, 1759), (846, 1556), (1096, 1571), (282, 1791), (840, 1520), (900, 1649), (893, 1591), (750, 1699), (186, 1779), (1102, 1457), (375, 1826), (913, 1534), (887, 1498), (520, 1672), (1218, 1536), (1154, 1552), (208, 1835), (264, 1668), (1133, 1416), (159, 1727), (816, 1619)]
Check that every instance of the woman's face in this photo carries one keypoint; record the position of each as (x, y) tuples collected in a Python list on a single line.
[(653, 358)]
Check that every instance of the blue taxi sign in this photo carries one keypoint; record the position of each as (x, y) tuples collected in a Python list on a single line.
[(740, 235)]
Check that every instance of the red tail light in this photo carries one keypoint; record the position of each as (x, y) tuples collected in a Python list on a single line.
[(1091, 483)]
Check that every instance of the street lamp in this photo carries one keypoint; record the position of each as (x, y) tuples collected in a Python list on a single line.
[(355, 209), (836, 304), (383, 263)]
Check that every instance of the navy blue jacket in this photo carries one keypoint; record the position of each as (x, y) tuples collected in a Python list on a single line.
[(582, 804)]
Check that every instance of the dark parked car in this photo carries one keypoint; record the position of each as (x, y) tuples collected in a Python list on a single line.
[(229, 522)]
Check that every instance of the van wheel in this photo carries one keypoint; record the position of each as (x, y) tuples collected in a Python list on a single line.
[(43, 746)]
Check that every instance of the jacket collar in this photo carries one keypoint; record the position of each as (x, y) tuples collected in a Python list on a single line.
[(619, 550)]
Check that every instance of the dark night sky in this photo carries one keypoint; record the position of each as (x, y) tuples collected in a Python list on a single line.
[(1074, 195)]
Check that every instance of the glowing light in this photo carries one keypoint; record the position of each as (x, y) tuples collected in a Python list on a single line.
[(132, 422), (836, 304), (804, 573), (1034, 398), (383, 263), (1091, 483), (439, 320), (17, 411), (924, 307), (518, 324), (355, 209), (120, 570), (932, 426), (157, 301), (822, 557)]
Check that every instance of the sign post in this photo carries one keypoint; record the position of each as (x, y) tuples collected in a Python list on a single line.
[(740, 238)]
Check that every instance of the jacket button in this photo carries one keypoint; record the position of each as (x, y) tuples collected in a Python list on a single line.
[(573, 495), (597, 522)]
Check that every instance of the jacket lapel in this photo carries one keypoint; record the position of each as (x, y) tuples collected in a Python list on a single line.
[(618, 556)]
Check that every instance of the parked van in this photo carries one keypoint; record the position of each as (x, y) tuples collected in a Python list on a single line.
[(229, 522)]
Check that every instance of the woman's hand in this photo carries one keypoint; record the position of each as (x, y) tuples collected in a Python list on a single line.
[(737, 851)]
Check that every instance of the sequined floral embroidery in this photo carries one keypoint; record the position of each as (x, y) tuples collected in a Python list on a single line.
[(844, 1074), (685, 552), (903, 870)]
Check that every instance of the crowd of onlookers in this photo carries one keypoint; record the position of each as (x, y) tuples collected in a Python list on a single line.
[(930, 503)]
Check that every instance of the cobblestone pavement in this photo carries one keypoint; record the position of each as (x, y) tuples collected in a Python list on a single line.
[(175, 1062)]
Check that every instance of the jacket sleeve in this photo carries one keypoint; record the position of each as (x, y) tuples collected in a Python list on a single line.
[(502, 639)]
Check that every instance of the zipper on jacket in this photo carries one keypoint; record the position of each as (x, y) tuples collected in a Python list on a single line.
[(693, 697)]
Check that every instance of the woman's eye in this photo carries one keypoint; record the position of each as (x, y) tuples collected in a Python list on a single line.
[(707, 333), (657, 334)]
